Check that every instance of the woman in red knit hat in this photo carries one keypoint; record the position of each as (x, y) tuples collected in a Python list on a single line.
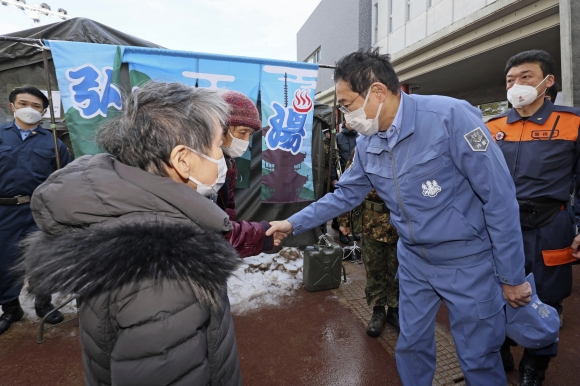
[(248, 238)]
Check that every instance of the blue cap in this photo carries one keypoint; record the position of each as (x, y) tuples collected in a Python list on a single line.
[(534, 326)]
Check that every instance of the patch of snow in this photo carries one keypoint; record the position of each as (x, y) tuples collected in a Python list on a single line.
[(260, 280), (265, 279), (27, 304)]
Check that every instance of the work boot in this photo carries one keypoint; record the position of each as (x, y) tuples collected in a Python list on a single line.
[(533, 369), (12, 313), (375, 326), (43, 306), (506, 356), (393, 317)]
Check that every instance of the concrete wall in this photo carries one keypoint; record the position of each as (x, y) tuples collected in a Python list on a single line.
[(365, 24), (570, 49), (334, 27), (422, 21)]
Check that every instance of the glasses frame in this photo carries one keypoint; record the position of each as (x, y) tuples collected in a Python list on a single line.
[(344, 108)]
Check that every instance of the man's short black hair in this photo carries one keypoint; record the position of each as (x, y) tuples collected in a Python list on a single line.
[(552, 92), (365, 67), (29, 90), (542, 58)]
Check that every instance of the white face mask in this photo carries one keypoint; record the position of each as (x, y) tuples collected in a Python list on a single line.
[(237, 147), (210, 191), (27, 115), (358, 121), (522, 95)]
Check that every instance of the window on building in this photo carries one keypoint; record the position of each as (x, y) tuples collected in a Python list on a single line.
[(376, 23), (390, 16), (408, 10), (315, 57)]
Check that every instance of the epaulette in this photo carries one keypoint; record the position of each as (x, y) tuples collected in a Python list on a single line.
[(567, 109)]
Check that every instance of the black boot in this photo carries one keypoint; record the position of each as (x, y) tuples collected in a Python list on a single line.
[(43, 306), (533, 369), (506, 356), (375, 326), (393, 317), (12, 313)]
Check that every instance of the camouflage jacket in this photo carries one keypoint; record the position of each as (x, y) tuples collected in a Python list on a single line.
[(375, 225)]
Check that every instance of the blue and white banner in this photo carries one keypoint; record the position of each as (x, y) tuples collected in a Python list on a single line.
[(89, 81)]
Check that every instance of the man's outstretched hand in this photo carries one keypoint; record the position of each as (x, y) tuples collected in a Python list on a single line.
[(280, 229), (517, 295)]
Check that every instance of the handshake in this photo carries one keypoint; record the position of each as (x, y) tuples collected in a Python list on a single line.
[(279, 230)]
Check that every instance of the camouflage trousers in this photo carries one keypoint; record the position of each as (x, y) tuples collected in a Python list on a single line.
[(381, 265)]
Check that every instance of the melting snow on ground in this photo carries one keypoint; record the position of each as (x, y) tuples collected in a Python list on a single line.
[(27, 303), (265, 279), (260, 280)]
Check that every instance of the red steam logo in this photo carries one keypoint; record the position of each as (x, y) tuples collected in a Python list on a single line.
[(302, 102)]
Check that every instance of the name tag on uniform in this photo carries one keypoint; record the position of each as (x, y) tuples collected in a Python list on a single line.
[(477, 140), (544, 134)]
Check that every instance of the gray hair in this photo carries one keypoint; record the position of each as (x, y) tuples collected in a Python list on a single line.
[(156, 118)]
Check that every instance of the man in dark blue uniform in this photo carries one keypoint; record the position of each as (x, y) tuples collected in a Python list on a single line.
[(27, 158), (541, 147)]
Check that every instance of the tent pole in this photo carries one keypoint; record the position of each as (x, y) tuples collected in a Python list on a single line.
[(332, 142), (21, 40), (50, 108)]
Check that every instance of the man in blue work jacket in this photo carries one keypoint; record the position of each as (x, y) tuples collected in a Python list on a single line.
[(27, 158), (452, 200)]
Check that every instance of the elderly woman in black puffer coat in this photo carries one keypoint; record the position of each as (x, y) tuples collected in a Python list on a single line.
[(132, 234)]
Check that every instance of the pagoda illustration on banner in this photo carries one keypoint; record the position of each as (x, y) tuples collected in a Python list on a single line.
[(284, 137)]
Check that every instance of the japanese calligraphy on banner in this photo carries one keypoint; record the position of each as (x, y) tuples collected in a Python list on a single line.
[(287, 107), (89, 81)]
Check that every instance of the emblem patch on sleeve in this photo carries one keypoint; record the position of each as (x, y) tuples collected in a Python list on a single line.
[(477, 140)]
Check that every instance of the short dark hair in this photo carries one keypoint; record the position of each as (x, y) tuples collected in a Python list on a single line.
[(542, 58), (28, 90), (552, 92), (365, 67)]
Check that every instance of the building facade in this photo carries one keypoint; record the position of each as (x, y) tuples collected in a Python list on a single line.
[(459, 48), (334, 29)]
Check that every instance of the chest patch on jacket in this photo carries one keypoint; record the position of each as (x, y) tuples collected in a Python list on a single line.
[(544, 134), (431, 188), (477, 140)]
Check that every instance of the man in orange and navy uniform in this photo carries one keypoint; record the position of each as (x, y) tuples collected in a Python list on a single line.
[(541, 147)]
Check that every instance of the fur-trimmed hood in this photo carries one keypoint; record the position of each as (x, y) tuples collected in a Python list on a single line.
[(104, 224), (98, 259)]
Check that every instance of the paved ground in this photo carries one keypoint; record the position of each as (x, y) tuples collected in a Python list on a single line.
[(311, 339)]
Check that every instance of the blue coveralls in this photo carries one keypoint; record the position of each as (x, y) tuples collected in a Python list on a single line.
[(24, 165), (453, 203), (543, 154)]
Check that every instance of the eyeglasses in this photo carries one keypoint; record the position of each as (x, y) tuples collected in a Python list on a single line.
[(344, 108)]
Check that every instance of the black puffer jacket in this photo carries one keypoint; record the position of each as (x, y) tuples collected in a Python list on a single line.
[(147, 259)]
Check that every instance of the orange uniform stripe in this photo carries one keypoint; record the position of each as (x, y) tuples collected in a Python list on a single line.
[(567, 128)]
